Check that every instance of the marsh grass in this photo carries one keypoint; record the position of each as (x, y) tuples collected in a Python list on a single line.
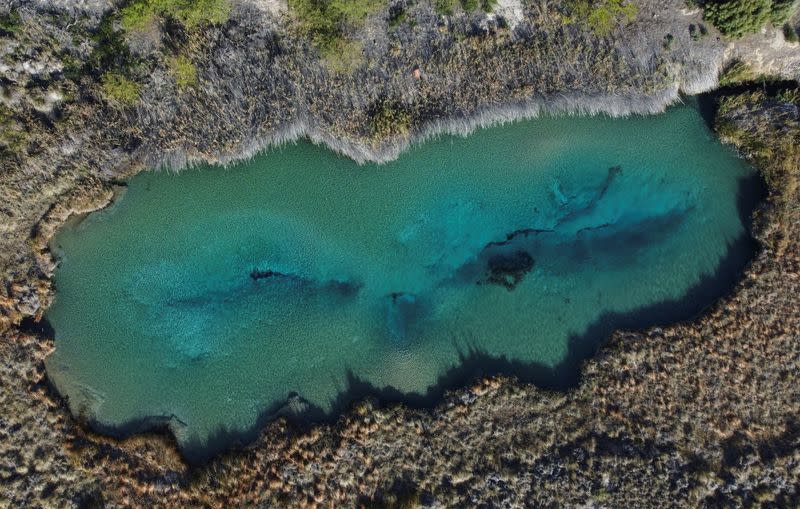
[(13, 139), (767, 131)]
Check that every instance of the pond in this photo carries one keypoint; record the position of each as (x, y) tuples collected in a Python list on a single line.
[(203, 300)]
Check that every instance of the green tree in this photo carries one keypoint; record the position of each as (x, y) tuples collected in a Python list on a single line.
[(781, 11), (736, 18)]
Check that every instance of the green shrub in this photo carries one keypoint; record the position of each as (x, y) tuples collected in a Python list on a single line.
[(137, 16), (184, 71), (737, 72), (397, 16), (345, 55), (10, 23), (389, 119), (488, 5), (789, 33), (325, 22), (696, 32), (602, 15), (110, 49), (781, 11), (119, 90), (736, 18), (190, 13), (444, 7)]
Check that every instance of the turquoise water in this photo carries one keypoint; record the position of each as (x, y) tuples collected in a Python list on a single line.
[(204, 299)]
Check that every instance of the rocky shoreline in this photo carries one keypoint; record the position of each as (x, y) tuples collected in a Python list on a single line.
[(702, 413)]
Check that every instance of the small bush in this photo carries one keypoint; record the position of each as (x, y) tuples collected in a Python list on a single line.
[(397, 16), (791, 95), (447, 7), (190, 13), (444, 7), (789, 33), (325, 22), (110, 49), (119, 90), (10, 23), (781, 11), (602, 15), (184, 71), (737, 72), (696, 32), (389, 119)]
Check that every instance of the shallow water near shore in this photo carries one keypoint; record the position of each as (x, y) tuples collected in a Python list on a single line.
[(202, 300)]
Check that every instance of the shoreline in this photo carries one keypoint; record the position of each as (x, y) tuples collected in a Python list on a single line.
[(613, 105)]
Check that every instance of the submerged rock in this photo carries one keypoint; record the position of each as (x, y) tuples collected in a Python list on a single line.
[(508, 269), (403, 310)]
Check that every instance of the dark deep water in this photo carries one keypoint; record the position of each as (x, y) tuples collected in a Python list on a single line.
[(203, 300)]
